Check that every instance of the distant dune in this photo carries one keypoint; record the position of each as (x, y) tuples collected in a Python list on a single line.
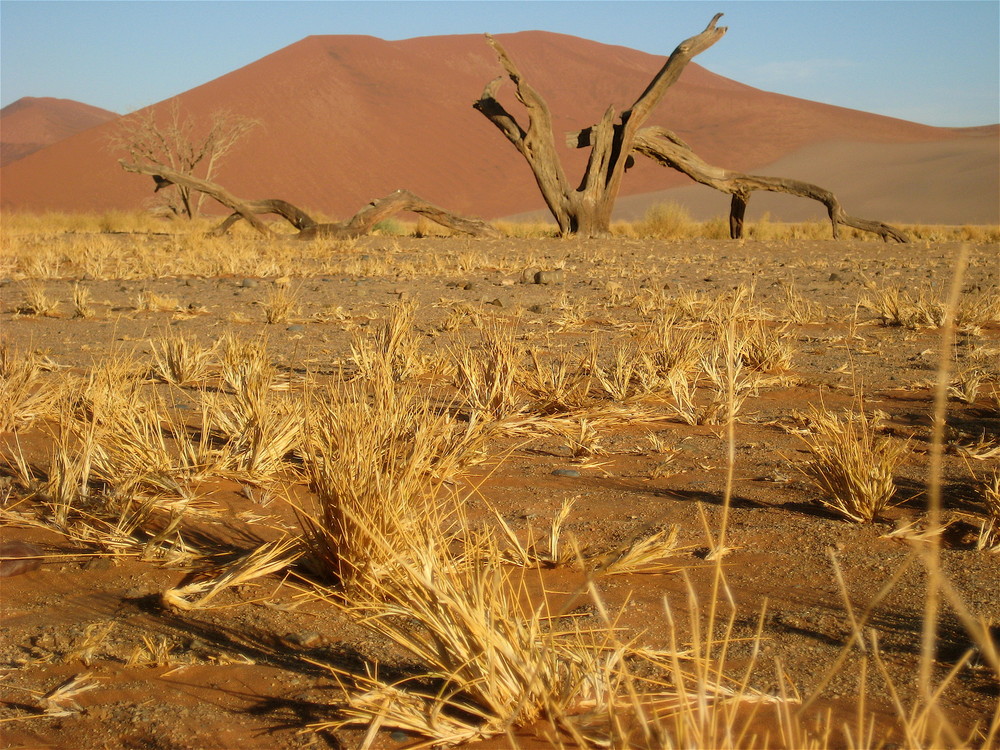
[(32, 123), (350, 118)]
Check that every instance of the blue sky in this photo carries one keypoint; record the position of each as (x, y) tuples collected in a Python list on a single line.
[(932, 62)]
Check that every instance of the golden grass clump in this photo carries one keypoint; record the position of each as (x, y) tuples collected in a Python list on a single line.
[(260, 424), (181, 360), (392, 352), (989, 531), (26, 396), (280, 303), (853, 464), (487, 378), (37, 301), (487, 662), (898, 307), (379, 463)]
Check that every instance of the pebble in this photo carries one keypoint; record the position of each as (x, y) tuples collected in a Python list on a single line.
[(296, 328), (566, 473), (307, 639), (550, 277), (21, 557), (249, 283), (528, 275)]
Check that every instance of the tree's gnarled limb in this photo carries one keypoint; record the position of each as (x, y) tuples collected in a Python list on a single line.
[(358, 225), (536, 143), (587, 208), (164, 176), (667, 149)]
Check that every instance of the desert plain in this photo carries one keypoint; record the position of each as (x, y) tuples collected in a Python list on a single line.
[(239, 466)]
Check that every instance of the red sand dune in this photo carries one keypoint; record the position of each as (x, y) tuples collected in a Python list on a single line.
[(31, 124), (350, 118)]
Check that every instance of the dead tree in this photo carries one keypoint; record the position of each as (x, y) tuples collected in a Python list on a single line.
[(587, 208), (358, 225), (151, 137)]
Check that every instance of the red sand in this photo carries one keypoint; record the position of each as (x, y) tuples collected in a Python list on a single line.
[(349, 118), (31, 124)]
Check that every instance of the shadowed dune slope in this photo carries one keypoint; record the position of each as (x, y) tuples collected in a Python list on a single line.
[(350, 118), (32, 123)]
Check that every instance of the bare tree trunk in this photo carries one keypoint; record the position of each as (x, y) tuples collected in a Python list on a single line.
[(667, 149), (587, 208), (358, 225)]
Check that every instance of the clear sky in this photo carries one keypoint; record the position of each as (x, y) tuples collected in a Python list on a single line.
[(936, 62)]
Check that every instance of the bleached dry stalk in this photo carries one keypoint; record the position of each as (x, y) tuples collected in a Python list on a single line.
[(266, 559), (393, 351)]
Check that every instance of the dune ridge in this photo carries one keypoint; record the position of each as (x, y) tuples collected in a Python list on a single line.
[(347, 119)]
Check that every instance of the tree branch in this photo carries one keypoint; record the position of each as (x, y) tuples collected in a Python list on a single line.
[(668, 150)]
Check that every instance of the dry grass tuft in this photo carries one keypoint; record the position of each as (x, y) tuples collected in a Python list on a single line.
[(25, 395), (181, 360), (989, 531), (380, 465), (853, 464), (487, 379), (280, 303), (392, 353), (37, 302)]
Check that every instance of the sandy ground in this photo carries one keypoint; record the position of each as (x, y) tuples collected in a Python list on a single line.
[(251, 674)]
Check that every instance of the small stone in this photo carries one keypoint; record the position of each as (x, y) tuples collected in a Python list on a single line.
[(20, 557), (249, 283), (97, 563), (537, 309), (469, 286), (566, 473), (834, 277), (550, 277), (296, 328), (528, 275), (506, 282), (306, 639), (398, 736)]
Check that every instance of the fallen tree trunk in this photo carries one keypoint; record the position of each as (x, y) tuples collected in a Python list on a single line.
[(402, 200), (358, 225), (164, 176), (667, 149)]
